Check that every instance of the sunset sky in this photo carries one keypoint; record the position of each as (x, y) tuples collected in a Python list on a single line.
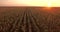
[(44, 3)]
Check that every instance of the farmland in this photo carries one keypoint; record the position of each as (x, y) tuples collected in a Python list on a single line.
[(29, 19)]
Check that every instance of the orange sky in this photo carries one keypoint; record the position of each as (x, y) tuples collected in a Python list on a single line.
[(45, 3)]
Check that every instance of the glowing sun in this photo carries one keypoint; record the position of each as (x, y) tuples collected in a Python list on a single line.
[(49, 5)]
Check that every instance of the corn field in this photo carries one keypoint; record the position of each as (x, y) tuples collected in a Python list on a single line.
[(29, 19)]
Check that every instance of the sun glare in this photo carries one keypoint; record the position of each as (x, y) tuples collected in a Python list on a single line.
[(49, 4), (42, 3)]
